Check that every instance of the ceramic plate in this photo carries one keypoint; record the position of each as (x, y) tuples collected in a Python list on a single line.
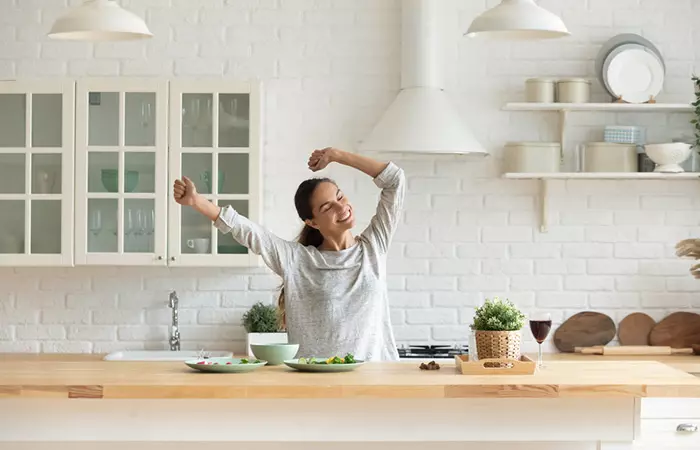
[(305, 367), (616, 41), (636, 75), (224, 365), (616, 51)]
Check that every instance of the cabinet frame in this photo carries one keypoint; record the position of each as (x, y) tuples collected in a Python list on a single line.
[(122, 86), (215, 87), (29, 87)]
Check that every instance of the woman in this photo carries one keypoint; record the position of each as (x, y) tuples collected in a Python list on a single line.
[(334, 296)]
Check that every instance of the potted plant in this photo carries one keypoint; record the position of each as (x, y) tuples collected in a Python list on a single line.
[(263, 326), (497, 325), (695, 121)]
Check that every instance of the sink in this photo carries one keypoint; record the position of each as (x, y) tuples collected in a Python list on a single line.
[(163, 355)]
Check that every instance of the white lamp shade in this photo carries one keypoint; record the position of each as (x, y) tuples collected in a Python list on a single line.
[(99, 20), (518, 20)]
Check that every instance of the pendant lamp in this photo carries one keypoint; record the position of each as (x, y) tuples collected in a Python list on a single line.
[(99, 20), (518, 20)]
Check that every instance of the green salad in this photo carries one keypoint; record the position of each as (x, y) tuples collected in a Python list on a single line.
[(348, 359), (247, 361)]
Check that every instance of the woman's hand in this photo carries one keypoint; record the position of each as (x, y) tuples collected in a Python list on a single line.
[(184, 192), (319, 159)]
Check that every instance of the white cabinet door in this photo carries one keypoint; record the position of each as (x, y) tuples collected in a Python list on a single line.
[(215, 141), (36, 172), (121, 171)]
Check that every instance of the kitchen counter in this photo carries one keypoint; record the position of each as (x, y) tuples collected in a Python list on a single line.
[(583, 400), (140, 380)]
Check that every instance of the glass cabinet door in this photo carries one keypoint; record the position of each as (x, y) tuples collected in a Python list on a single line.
[(215, 142), (36, 173), (121, 172)]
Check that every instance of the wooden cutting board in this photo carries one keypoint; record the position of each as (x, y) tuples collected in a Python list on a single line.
[(635, 328), (677, 330), (585, 329)]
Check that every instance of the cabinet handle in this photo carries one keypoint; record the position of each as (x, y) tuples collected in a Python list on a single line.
[(160, 258), (172, 258), (687, 428)]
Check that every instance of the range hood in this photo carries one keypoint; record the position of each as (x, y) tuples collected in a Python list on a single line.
[(421, 119)]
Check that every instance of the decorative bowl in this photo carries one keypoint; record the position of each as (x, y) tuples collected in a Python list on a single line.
[(110, 180), (274, 354), (668, 156)]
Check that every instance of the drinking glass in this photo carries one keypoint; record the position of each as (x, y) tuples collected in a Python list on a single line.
[(95, 222), (540, 325)]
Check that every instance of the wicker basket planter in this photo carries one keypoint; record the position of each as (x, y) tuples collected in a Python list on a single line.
[(498, 344)]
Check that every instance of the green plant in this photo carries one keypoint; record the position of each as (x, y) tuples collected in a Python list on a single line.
[(498, 315), (262, 318), (696, 104)]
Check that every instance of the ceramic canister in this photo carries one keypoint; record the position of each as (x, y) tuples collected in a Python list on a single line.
[(573, 90), (532, 157), (608, 157), (540, 90)]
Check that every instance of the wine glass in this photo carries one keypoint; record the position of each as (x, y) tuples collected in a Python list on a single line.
[(540, 325), (95, 222)]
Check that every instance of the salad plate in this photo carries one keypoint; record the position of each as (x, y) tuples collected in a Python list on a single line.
[(332, 364), (225, 365)]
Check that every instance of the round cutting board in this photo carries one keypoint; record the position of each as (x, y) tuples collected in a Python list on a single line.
[(677, 330), (585, 329), (635, 328)]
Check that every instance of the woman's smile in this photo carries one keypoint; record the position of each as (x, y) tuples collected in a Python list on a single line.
[(346, 216)]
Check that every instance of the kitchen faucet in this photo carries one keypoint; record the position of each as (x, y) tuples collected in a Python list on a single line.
[(174, 328)]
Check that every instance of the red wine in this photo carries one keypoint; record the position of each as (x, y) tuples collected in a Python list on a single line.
[(540, 329)]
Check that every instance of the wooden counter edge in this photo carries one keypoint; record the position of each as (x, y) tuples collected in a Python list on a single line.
[(350, 392)]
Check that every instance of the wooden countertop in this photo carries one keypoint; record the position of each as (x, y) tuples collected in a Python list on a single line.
[(107, 379), (686, 363)]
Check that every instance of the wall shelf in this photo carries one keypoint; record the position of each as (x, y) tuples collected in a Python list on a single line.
[(564, 109), (607, 107), (603, 176), (545, 178)]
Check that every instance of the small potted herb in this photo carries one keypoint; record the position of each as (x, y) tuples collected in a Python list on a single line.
[(497, 325), (263, 326)]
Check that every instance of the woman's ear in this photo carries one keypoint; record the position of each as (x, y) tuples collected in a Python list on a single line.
[(311, 223)]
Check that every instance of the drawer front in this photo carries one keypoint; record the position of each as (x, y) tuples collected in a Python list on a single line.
[(670, 408), (682, 433)]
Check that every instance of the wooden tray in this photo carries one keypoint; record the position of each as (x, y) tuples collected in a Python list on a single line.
[(524, 366)]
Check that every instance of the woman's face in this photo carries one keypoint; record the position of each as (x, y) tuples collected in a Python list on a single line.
[(332, 212)]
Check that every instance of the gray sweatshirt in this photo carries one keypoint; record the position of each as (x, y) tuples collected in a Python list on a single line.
[(336, 301)]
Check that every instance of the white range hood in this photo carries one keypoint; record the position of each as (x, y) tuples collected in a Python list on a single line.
[(422, 118)]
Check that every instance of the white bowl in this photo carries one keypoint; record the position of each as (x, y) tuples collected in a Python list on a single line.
[(668, 156)]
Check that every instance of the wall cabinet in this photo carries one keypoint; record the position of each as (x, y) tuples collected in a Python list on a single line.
[(87, 168), (36, 173), (213, 142)]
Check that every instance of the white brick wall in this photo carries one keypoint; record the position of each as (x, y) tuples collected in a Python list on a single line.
[(330, 68)]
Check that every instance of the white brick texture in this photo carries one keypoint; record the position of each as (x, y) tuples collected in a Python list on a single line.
[(330, 68)]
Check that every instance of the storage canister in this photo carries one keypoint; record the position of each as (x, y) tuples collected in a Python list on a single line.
[(608, 157), (532, 157), (573, 90), (540, 90)]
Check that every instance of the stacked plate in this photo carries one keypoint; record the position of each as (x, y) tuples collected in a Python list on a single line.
[(631, 68)]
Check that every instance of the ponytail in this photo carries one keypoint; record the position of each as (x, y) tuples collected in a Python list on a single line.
[(308, 236)]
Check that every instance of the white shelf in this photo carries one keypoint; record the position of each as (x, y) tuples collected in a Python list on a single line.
[(603, 176), (609, 107), (545, 178)]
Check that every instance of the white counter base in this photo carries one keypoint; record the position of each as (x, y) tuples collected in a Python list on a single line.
[(587, 422)]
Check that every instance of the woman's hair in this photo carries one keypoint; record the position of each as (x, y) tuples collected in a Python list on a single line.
[(309, 235)]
